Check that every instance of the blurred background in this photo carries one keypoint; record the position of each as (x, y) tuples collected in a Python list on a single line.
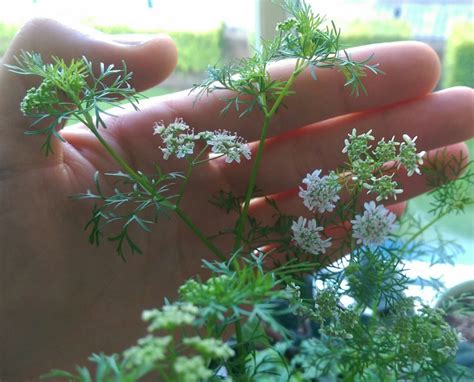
[(215, 31)]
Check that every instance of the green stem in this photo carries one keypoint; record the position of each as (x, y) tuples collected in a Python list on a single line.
[(189, 171), (240, 350), (121, 162), (420, 232), (146, 185), (258, 157), (251, 184), (199, 234)]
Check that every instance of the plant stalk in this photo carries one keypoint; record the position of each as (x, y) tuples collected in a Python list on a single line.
[(258, 158), (146, 185)]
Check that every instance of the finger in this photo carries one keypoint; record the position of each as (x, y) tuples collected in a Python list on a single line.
[(292, 204), (151, 62), (326, 97), (314, 100), (439, 119)]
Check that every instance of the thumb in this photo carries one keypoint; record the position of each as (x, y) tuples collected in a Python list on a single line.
[(150, 61)]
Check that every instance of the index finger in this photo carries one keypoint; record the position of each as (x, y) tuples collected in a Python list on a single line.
[(412, 70)]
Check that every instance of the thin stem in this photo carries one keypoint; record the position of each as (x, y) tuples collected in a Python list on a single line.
[(189, 171), (240, 350), (122, 163), (266, 122), (251, 184), (199, 234), (422, 230), (182, 188), (146, 185)]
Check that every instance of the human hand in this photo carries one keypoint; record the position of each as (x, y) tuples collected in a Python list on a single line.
[(67, 298)]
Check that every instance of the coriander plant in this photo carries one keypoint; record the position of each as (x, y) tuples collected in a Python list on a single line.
[(280, 290)]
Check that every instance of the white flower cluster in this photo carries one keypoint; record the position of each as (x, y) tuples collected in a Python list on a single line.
[(367, 163), (191, 369), (212, 348), (308, 237), (356, 145), (225, 143), (373, 227), (408, 157), (320, 194), (384, 187), (178, 137), (148, 351), (171, 316)]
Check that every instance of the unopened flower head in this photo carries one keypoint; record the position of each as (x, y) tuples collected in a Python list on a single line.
[(386, 151), (225, 143), (384, 187), (362, 170), (178, 137), (212, 348), (148, 351), (40, 99), (308, 237), (287, 25), (171, 316), (408, 157), (357, 146), (373, 227), (191, 369), (320, 194)]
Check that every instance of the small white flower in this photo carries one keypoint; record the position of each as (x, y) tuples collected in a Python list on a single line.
[(148, 351), (309, 237), (192, 369), (210, 347), (178, 138), (321, 193), (357, 146), (170, 316), (383, 186), (225, 143), (408, 157), (373, 227)]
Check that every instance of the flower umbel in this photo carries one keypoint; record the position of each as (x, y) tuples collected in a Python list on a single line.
[(320, 194), (357, 145), (212, 348), (225, 143), (178, 137), (148, 351), (191, 369), (308, 237), (384, 187), (170, 316), (408, 156), (386, 151), (373, 227)]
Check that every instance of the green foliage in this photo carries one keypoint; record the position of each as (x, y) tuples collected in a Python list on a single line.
[(375, 31), (458, 70), (139, 199), (196, 49), (7, 32), (249, 291), (402, 346), (65, 93)]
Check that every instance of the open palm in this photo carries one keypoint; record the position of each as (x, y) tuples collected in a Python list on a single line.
[(60, 297)]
